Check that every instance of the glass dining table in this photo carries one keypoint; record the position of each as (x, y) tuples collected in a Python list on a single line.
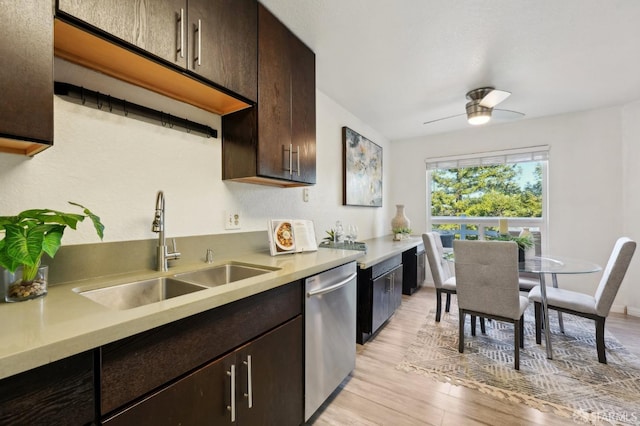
[(554, 266)]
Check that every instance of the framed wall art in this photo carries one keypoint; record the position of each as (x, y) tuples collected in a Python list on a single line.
[(362, 161)]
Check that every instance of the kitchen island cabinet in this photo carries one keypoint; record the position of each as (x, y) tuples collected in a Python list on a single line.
[(274, 143), (214, 39), (26, 77)]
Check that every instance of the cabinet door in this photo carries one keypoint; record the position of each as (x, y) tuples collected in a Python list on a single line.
[(380, 303), (421, 268), (266, 372), (303, 110), (276, 378), (223, 43), (154, 26), (396, 289), (202, 397), (274, 98), (26, 74)]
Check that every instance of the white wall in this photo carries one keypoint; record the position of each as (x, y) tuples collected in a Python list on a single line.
[(115, 166), (593, 178), (631, 198)]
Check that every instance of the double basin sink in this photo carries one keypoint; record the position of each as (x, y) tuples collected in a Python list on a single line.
[(139, 293)]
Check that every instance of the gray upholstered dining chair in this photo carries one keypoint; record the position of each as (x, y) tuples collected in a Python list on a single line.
[(443, 280), (595, 307), (487, 286)]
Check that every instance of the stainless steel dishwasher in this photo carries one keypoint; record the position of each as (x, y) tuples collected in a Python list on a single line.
[(330, 333)]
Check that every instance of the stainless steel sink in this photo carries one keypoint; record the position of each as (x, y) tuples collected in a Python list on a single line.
[(223, 274), (139, 293)]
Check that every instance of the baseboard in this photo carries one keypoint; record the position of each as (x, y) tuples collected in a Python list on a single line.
[(634, 312)]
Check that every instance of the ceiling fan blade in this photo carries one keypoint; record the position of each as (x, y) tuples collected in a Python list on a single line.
[(443, 118), (494, 97), (506, 114)]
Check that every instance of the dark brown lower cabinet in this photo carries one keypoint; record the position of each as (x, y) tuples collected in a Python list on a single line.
[(413, 262), (60, 393), (258, 383), (379, 295)]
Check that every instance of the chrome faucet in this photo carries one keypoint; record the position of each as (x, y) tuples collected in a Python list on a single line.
[(162, 252)]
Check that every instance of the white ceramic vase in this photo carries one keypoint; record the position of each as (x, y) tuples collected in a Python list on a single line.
[(400, 220)]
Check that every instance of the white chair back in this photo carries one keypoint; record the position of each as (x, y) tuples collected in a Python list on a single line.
[(613, 274), (437, 264)]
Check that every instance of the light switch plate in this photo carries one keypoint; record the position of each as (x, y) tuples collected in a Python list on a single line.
[(232, 220)]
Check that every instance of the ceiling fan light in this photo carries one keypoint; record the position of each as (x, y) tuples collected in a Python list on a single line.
[(478, 119), (477, 114)]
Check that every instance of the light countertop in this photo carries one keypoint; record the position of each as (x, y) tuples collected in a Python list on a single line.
[(64, 323), (382, 248)]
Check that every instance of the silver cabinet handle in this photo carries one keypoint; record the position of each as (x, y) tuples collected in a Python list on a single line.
[(181, 23), (232, 407), (298, 157), (290, 159), (198, 30), (249, 394), (333, 287)]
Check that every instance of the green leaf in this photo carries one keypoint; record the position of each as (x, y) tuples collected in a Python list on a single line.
[(97, 224), (24, 246), (53, 240), (6, 261)]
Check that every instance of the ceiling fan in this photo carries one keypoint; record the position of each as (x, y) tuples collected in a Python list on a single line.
[(481, 105)]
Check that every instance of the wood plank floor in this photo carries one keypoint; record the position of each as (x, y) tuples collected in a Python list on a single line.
[(376, 393)]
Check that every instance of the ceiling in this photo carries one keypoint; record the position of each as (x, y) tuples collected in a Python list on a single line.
[(398, 63)]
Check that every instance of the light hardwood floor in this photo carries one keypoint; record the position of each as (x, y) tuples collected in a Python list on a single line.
[(377, 393)]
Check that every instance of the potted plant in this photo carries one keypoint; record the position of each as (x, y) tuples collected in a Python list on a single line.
[(27, 237), (401, 233), (524, 242)]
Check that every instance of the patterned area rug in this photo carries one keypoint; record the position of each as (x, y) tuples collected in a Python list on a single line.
[(573, 385)]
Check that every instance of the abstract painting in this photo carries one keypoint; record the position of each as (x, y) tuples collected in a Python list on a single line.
[(362, 160)]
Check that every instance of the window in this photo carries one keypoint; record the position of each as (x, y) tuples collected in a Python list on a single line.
[(468, 195)]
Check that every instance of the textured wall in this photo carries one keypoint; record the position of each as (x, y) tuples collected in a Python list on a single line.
[(115, 166)]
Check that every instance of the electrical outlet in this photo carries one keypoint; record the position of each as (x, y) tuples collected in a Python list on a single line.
[(305, 195), (232, 220)]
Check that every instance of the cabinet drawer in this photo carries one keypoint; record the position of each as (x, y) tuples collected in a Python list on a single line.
[(133, 367), (385, 266)]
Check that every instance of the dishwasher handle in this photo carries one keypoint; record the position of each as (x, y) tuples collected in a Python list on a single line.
[(336, 286)]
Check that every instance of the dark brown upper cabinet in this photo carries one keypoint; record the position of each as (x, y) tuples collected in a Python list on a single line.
[(274, 143), (26, 77), (212, 44)]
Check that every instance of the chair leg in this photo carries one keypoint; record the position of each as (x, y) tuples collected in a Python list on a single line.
[(448, 303), (482, 327), (521, 331), (516, 343), (538, 314), (438, 304), (473, 325), (461, 315), (602, 357)]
